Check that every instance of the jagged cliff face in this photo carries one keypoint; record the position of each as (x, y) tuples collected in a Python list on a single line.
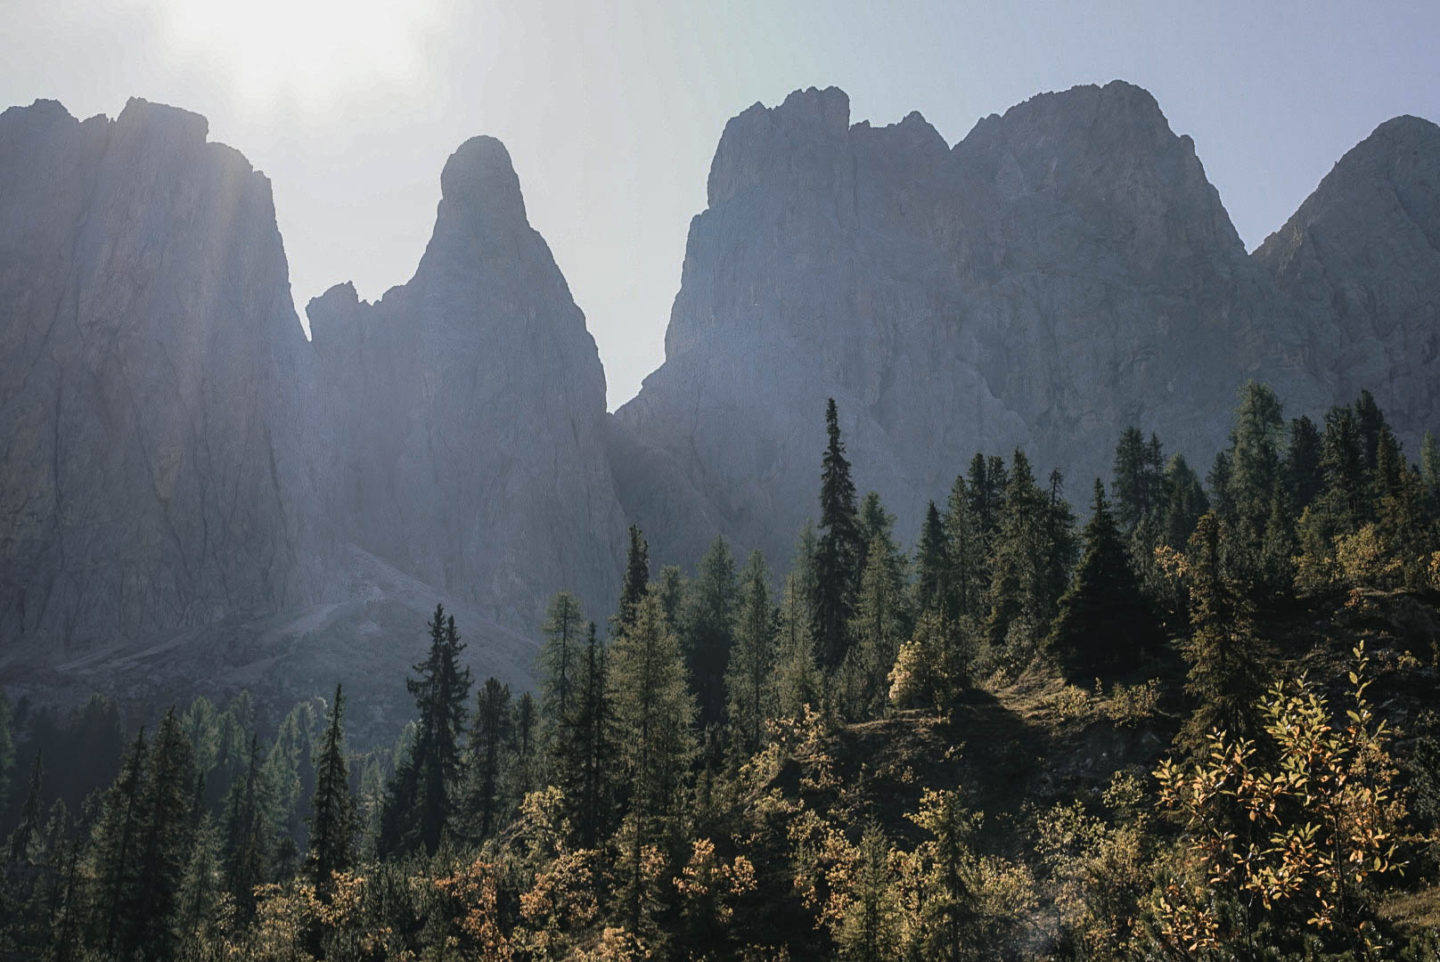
[(460, 417), (147, 354), (1064, 271), (1361, 257)]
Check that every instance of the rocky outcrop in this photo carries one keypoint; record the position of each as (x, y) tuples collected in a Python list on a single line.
[(148, 349), (1064, 271), (1361, 257), (459, 418)]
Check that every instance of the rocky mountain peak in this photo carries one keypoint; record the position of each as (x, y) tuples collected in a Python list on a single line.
[(794, 140), (479, 181)]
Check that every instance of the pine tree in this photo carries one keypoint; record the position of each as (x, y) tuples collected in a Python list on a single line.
[(1255, 440), (673, 588), (246, 843), (951, 904), (797, 677), (1225, 677), (115, 840), (560, 654), (1138, 486), (586, 749), (422, 798), (524, 775), (965, 550), (20, 845), (201, 893), (488, 740), (932, 565), (874, 521), (750, 678), (881, 622), (635, 583), (654, 712), (709, 630), (163, 851), (1033, 553), (1104, 626), (869, 931), (838, 552), (1185, 502), (1301, 468), (1429, 474), (333, 819)]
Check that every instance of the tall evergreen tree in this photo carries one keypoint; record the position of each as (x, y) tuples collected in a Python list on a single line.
[(1185, 502), (28, 831), (245, 833), (560, 654), (654, 712), (488, 741), (333, 818), (797, 676), (1429, 474), (750, 678), (1255, 440), (1104, 626), (1301, 468), (965, 550), (709, 630), (1226, 676), (635, 583), (932, 566), (838, 552), (586, 751), (673, 587), (1138, 485), (422, 795), (164, 836), (881, 622), (524, 775)]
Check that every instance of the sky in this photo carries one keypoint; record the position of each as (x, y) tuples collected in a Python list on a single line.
[(611, 111)]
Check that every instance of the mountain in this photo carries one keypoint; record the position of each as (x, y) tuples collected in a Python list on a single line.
[(460, 418), (1064, 271), (1361, 258), (148, 354)]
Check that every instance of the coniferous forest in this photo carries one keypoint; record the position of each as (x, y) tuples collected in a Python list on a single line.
[(1186, 712)]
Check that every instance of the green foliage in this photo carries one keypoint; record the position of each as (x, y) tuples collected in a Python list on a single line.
[(708, 630), (333, 818), (1104, 626), (635, 583), (489, 738), (750, 679), (838, 550), (560, 654)]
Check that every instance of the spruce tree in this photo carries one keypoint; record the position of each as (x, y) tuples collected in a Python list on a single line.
[(27, 833), (635, 583), (1185, 502), (654, 712), (524, 774), (797, 676), (1226, 675), (673, 588), (837, 553), (333, 818), (560, 655), (932, 566), (586, 753), (489, 739), (423, 794), (1301, 467), (965, 550), (245, 833), (709, 630), (164, 839), (1104, 626), (1138, 485), (881, 622), (750, 678), (1429, 474)]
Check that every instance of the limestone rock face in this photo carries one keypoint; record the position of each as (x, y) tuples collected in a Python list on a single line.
[(1362, 259), (148, 350), (459, 419), (1063, 272)]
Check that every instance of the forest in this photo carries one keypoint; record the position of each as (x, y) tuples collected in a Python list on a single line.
[(1199, 721)]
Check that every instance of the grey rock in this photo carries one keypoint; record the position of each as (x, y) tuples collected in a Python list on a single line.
[(1362, 259)]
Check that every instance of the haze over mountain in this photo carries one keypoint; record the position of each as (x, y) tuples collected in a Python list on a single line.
[(191, 491)]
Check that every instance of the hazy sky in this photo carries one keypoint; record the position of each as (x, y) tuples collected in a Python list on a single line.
[(611, 111)]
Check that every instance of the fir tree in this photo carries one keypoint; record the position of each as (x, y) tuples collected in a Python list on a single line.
[(560, 654), (1225, 677), (245, 835), (965, 551), (488, 740), (1138, 485), (586, 751), (750, 679), (1255, 440), (881, 622), (673, 587), (1104, 626), (932, 566), (333, 819), (1301, 468), (654, 712), (164, 836), (635, 583), (1429, 474), (1185, 502), (797, 677), (20, 845), (114, 843), (524, 767), (709, 630), (838, 552)]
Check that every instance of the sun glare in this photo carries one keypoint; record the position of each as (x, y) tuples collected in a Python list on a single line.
[(303, 51)]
